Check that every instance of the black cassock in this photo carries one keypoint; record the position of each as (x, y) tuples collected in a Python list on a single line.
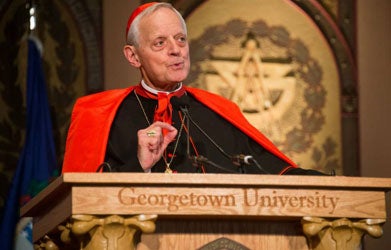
[(121, 153)]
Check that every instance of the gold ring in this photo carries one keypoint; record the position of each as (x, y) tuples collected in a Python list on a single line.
[(151, 133)]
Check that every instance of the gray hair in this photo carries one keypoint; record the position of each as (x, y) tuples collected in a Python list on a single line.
[(134, 31)]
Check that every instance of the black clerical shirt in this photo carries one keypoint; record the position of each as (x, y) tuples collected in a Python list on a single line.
[(121, 151)]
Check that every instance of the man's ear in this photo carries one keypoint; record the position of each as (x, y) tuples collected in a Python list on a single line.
[(131, 56)]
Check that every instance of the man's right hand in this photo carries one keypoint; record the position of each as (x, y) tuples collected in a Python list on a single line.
[(152, 143)]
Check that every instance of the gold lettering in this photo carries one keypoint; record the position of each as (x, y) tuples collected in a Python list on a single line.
[(248, 201), (317, 199), (293, 201), (142, 199), (310, 202), (193, 199), (129, 196), (334, 202), (172, 205), (184, 200), (229, 201), (125, 198), (283, 200), (266, 201), (216, 200), (302, 200), (251, 198), (201, 200), (152, 199)]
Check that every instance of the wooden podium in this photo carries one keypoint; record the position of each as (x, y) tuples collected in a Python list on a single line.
[(210, 211)]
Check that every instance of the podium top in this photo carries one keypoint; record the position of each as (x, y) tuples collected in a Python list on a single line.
[(208, 196), (228, 179), (291, 187)]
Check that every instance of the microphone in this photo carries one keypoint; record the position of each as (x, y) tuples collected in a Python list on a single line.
[(238, 160), (241, 159), (249, 160), (180, 103)]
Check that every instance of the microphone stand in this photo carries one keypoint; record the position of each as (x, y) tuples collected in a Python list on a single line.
[(199, 160), (186, 112), (237, 160)]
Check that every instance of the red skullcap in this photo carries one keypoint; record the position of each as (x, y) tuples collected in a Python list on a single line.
[(135, 13)]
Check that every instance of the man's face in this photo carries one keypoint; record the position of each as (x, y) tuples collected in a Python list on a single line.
[(163, 50)]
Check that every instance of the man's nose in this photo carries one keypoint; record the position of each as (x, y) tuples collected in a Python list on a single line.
[(173, 47)]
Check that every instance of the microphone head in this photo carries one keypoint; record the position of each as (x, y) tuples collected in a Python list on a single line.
[(180, 102)]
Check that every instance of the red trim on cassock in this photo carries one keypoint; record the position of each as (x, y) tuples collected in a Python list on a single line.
[(93, 115)]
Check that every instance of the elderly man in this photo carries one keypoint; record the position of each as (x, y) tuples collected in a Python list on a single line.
[(160, 125)]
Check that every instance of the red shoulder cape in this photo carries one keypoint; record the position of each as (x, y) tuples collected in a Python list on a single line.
[(93, 115)]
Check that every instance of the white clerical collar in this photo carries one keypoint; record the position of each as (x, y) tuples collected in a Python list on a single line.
[(155, 92)]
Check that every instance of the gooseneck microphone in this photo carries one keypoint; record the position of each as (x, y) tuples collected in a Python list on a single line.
[(249, 160), (238, 160), (183, 105), (177, 104)]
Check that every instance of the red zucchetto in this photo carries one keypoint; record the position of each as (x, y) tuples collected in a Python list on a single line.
[(135, 13)]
